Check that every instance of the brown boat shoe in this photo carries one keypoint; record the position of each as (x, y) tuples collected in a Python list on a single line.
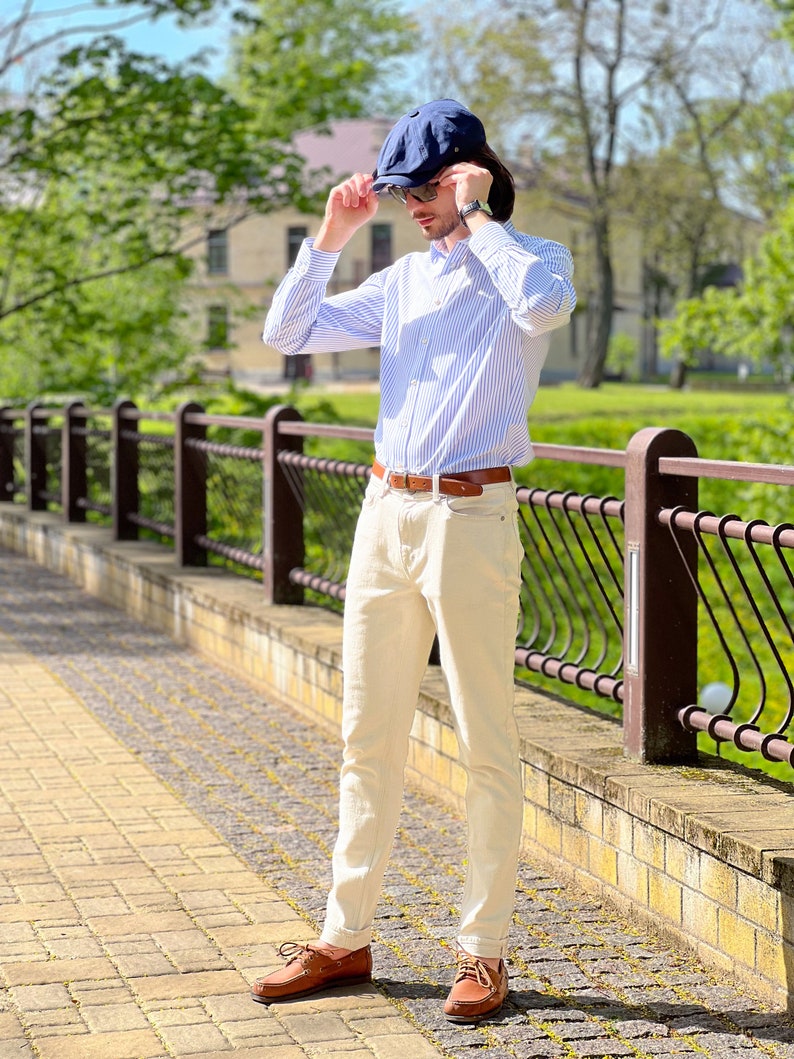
[(309, 970), (477, 992)]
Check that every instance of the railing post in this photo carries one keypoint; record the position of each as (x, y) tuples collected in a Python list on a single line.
[(190, 489), (282, 514), (660, 626), (74, 476), (124, 491), (7, 485), (35, 459)]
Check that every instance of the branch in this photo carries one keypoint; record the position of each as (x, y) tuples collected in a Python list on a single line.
[(119, 270), (14, 31), (15, 57)]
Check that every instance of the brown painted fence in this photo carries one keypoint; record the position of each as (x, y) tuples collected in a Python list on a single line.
[(679, 618)]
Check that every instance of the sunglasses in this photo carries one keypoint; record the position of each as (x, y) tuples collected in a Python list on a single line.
[(424, 193)]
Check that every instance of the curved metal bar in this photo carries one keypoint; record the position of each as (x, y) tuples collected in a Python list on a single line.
[(748, 595), (587, 637), (777, 533), (701, 515), (553, 555), (781, 614), (539, 585), (693, 577), (597, 580)]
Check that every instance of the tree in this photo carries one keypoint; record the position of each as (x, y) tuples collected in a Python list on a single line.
[(300, 65), (104, 155), (755, 154), (754, 322), (110, 156), (619, 70), (77, 346), (655, 60), (489, 64)]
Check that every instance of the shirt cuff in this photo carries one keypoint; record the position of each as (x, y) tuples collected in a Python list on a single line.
[(314, 264), (489, 239)]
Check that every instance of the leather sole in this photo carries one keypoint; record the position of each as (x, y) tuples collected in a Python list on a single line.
[(337, 983), (471, 1019)]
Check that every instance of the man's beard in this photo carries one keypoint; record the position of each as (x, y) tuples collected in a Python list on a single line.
[(443, 225)]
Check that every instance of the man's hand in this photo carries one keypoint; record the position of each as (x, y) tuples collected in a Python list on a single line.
[(469, 180), (350, 204)]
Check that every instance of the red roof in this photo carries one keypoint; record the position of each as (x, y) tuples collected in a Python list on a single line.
[(351, 146)]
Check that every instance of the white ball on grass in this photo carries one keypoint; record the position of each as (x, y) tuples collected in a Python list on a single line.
[(715, 697)]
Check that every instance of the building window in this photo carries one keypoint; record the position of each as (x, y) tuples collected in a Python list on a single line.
[(295, 237), (218, 327), (218, 252), (381, 246)]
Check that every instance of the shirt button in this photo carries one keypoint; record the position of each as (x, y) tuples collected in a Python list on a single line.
[(414, 382)]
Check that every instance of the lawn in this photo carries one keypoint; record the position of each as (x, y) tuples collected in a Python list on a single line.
[(559, 409)]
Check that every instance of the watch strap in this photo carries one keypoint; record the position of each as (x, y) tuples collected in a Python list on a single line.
[(474, 207)]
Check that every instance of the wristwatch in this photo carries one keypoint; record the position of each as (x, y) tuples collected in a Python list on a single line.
[(473, 207)]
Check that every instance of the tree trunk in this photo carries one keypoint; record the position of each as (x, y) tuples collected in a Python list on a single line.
[(600, 324)]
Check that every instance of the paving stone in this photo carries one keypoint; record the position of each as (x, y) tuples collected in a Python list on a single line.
[(193, 810)]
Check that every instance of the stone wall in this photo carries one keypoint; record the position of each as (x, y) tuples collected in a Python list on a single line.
[(703, 855)]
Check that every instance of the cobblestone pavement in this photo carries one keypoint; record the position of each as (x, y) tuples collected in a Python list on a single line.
[(584, 983)]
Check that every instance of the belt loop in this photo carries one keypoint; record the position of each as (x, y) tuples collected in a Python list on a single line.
[(385, 480), (436, 488)]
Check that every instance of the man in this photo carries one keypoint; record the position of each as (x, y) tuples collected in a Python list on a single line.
[(463, 330)]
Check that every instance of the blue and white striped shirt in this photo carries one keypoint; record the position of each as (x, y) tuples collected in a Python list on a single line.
[(463, 338)]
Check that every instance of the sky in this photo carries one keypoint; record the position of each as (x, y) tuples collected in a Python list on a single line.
[(163, 38), (175, 43)]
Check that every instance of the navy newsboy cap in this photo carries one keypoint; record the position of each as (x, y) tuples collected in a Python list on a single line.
[(426, 140)]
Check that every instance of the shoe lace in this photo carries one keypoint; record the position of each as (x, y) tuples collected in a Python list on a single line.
[(292, 950), (471, 967)]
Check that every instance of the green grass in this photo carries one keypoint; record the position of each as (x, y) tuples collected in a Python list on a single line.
[(646, 405), (356, 407), (559, 408)]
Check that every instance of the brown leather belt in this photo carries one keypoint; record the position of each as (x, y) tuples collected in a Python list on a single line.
[(466, 483)]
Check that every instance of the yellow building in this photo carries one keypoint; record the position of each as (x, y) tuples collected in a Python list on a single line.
[(238, 267)]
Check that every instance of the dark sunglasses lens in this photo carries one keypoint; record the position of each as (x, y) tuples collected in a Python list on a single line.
[(425, 193)]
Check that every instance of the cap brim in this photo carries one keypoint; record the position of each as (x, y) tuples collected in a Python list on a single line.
[(415, 180)]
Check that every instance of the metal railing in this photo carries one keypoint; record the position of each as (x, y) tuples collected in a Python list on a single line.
[(636, 601)]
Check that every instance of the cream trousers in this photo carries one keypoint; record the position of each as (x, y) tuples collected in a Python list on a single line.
[(422, 565)]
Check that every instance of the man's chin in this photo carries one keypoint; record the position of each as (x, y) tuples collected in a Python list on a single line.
[(438, 230)]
